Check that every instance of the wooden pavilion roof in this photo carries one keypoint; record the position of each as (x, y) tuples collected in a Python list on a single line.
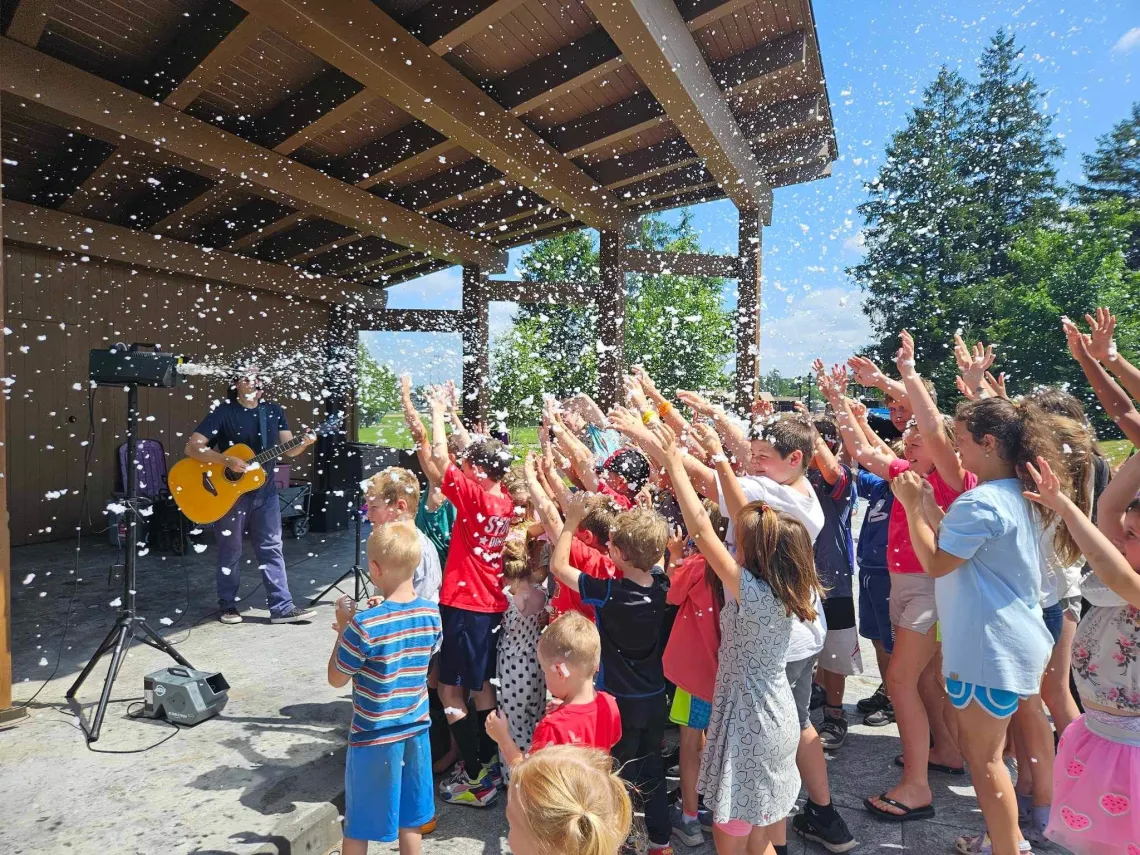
[(377, 140)]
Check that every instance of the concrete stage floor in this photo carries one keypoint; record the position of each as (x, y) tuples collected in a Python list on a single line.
[(266, 775)]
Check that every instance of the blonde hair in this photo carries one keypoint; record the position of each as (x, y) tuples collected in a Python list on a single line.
[(574, 640), (394, 484), (395, 548), (572, 801), (522, 558), (640, 534)]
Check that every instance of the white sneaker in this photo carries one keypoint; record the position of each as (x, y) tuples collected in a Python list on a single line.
[(981, 845)]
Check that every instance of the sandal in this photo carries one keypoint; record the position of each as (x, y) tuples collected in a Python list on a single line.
[(924, 812), (935, 767)]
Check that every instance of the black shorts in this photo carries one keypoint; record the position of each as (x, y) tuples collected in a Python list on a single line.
[(839, 612), (470, 640)]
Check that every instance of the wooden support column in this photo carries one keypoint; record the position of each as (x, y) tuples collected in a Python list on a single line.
[(610, 300), (476, 347), (8, 713), (751, 248)]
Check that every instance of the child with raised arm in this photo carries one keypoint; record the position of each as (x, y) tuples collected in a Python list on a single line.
[(754, 722), (384, 652), (985, 561), (1097, 774), (392, 496), (569, 653), (629, 613), (471, 604), (435, 516), (567, 800)]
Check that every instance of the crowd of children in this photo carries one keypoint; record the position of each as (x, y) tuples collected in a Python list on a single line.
[(643, 567)]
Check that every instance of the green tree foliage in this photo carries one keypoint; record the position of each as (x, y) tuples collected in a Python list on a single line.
[(675, 325), (1112, 172), (378, 390)]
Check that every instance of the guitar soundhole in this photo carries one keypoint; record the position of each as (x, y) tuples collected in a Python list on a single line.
[(233, 477), (208, 485)]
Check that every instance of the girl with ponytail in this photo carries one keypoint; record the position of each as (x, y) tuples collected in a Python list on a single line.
[(984, 556), (567, 800)]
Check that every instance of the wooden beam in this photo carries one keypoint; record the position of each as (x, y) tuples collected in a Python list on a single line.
[(158, 201), (191, 44), (700, 13), (71, 168), (43, 227), (476, 347), (328, 121), (29, 20), (309, 104), (177, 221), (751, 250), (345, 34), (416, 320), (554, 75), (655, 40), (35, 76), (443, 25), (255, 233), (211, 66), (305, 255), (680, 263)]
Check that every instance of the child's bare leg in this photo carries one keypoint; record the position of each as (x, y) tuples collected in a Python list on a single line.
[(1055, 684), (934, 700), (1037, 737), (410, 841), (833, 684), (348, 846), (692, 743), (983, 745), (882, 658)]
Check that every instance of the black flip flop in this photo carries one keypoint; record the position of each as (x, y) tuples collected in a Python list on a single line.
[(935, 767), (924, 812)]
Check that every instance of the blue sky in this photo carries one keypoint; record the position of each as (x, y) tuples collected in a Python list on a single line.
[(878, 56)]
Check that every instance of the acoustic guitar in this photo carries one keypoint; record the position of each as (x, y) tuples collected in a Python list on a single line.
[(206, 492)]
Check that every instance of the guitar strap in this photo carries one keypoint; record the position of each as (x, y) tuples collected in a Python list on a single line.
[(261, 418)]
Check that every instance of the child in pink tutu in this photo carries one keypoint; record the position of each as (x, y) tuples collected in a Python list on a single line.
[(1096, 778)]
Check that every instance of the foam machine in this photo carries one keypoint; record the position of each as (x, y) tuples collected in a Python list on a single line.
[(196, 694)]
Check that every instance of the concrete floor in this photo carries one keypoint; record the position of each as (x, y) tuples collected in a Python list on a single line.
[(266, 775)]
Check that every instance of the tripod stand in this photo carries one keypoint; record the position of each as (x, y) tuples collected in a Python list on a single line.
[(128, 624), (360, 578)]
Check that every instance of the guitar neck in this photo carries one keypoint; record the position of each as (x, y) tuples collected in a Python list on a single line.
[(277, 450)]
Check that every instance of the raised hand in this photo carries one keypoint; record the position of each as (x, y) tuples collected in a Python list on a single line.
[(646, 381), (406, 388), (818, 368), (858, 409), (634, 393), (660, 442), (708, 439), (576, 508), (997, 384), (965, 388), (973, 364), (904, 360), (1049, 491), (695, 402), (675, 545), (907, 487), (1078, 342), (1102, 347), (625, 421), (839, 379), (865, 371)]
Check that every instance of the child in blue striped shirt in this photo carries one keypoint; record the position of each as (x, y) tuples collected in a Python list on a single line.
[(385, 652)]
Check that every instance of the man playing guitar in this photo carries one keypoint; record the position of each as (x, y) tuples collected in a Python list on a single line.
[(246, 418)]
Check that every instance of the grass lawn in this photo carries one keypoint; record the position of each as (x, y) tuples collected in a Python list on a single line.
[(393, 433), (1116, 450)]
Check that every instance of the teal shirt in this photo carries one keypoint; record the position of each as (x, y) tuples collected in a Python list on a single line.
[(436, 525)]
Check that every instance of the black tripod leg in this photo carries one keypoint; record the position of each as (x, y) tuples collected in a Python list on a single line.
[(325, 592), (106, 644), (112, 672), (159, 643)]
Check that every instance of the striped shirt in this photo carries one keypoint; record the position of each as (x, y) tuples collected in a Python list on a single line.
[(386, 651)]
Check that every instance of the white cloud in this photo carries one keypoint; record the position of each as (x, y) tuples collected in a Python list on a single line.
[(1128, 41), (829, 324), (855, 243)]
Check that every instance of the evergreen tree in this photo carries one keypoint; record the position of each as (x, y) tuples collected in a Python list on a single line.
[(918, 224), (377, 389), (1113, 172)]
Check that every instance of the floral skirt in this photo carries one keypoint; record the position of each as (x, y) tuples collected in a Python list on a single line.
[(1096, 786)]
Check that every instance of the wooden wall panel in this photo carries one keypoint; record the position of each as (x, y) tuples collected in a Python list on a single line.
[(59, 307)]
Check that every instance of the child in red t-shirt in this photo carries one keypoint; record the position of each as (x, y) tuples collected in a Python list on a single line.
[(471, 602), (569, 653)]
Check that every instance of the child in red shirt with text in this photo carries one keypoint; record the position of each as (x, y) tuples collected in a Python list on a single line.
[(569, 653), (471, 603)]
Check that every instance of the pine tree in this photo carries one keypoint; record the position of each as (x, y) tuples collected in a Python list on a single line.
[(918, 224), (1112, 172)]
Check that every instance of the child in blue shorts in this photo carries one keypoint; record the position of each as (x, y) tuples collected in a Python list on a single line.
[(385, 652), (875, 588)]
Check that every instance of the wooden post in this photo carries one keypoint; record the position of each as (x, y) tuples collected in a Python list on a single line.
[(751, 249), (610, 300), (8, 713), (476, 347)]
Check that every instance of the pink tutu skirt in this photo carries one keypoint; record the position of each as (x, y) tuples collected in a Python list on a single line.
[(1096, 786)]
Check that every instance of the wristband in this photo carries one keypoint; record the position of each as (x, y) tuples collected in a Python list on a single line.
[(647, 417), (664, 408), (718, 458)]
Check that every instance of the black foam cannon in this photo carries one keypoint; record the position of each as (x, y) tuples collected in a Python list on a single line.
[(123, 365)]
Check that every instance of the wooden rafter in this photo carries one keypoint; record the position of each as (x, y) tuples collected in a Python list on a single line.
[(35, 76), (682, 263), (345, 34), (44, 227), (29, 20), (213, 198), (443, 25), (215, 62), (655, 40), (416, 320)]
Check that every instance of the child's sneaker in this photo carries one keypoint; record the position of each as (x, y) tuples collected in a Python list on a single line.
[(876, 702), (1034, 828), (833, 730), (981, 845), (478, 793), (688, 830), (449, 778), (824, 826), (495, 770)]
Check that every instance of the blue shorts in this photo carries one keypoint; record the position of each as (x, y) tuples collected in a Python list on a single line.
[(470, 641), (689, 710), (1054, 617), (997, 702), (875, 608), (388, 787)]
